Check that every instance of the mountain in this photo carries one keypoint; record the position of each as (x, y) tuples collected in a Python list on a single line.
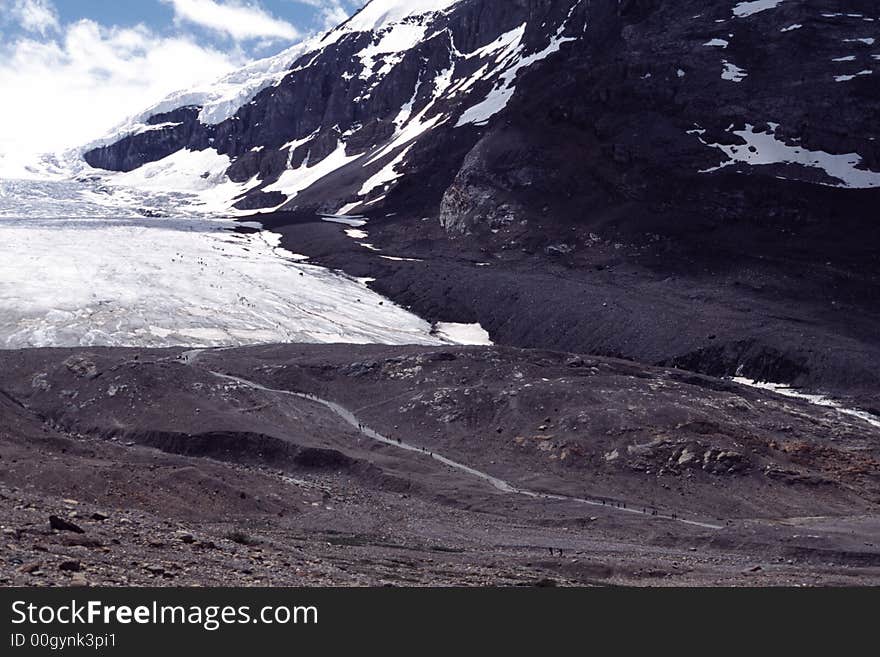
[(699, 87), (654, 222), (689, 183), (353, 103)]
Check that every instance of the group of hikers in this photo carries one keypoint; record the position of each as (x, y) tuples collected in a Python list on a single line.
[(363, 429), (619, 505), (645, 510)]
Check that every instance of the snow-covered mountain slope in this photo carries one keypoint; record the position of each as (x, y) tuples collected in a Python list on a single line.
[(219, 100), (379, 14), (358, 99), (772, 89)]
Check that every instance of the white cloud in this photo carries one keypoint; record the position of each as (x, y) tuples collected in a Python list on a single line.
[(333, 12), (239, 20), (65, 85), (66, 91), (37, 16)]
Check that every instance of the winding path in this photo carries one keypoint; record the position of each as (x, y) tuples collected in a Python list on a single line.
[(501, 485)]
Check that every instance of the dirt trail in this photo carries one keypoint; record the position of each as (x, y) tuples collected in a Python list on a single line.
[(499, 484)]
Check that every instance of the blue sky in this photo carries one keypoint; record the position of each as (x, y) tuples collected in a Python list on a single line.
[(305, 16), (171, 16), (72, 69)]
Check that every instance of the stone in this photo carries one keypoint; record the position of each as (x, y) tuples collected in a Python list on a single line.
[(30, 568), (81, 540), (79, 579), (688, 457), (62, 525), (82, 367)]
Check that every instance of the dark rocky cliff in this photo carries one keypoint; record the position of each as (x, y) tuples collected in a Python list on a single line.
[(639, 94), (684, 182)]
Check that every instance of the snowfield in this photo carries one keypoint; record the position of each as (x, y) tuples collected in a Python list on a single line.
[(157, 283), (68, 279)]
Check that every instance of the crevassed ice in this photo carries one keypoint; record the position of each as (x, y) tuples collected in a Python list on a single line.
[(117, 280), (219, 100), (175, 282)]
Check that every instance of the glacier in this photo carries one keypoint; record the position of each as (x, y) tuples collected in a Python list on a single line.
[(80, 268), (154, 258)]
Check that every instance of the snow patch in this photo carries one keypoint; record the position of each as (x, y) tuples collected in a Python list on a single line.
[(744, 9), (294, 181), (354, 222), (763, 148), (732, 72), (513, 63), (387, 175), (847, 78), (201, 174), (467, 334), (818, 400), (389, 47), (379, 13)]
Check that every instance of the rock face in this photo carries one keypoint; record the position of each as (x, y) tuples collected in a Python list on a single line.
[(690, 183), (501, 108), (171, 132), (371, 101)]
